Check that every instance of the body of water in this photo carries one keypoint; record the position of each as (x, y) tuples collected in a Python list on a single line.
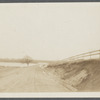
[(9, 64)]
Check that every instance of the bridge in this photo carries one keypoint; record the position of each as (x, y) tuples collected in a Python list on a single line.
[(88, 55)]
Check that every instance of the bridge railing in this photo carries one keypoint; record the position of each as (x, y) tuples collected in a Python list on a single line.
[(84, 55)]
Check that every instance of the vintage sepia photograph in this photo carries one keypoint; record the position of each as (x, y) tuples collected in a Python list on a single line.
[(49, 47)]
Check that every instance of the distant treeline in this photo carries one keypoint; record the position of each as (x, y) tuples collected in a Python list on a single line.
[(23, 60), (14, 60)]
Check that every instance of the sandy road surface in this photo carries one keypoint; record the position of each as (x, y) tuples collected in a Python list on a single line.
[(30, 79)]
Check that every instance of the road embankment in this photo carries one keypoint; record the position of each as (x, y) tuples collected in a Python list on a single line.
[(82, 75)]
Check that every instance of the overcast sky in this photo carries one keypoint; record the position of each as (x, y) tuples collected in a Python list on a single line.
[(49, 31)]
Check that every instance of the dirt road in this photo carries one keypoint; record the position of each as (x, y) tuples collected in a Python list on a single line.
[(29, 79)]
